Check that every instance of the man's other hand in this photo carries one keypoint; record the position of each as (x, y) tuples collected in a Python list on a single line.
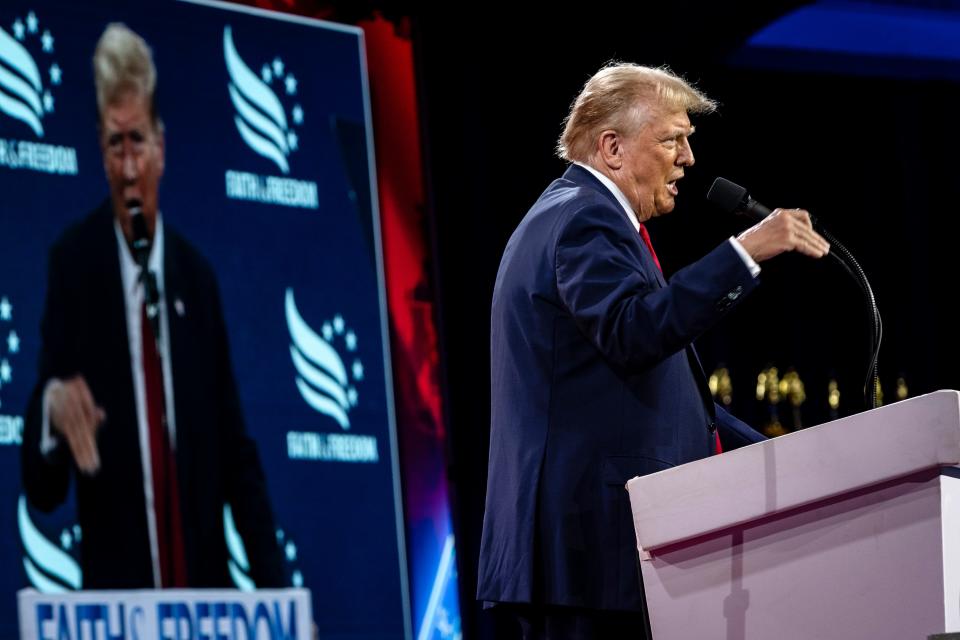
[(77, 417)]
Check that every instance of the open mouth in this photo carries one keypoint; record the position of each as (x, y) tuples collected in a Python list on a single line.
[(672, 187)]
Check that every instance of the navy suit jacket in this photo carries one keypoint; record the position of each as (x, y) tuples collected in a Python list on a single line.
[(594, 381), (84, 331)]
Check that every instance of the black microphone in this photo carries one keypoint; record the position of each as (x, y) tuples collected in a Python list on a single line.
[(733, 198), (141, 253), (141, 236)]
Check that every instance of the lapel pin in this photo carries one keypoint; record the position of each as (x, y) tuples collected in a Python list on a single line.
[(178, 306)]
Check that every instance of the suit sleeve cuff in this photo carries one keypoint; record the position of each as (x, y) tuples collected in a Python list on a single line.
[(747, 260)]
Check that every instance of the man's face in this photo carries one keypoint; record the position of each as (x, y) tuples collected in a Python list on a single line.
[(133, 159), (652, 161)]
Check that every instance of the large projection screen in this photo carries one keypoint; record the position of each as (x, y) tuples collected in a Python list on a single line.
[(270, 175)]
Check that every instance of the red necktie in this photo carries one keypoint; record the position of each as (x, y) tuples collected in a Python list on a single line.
[(166, 494), (646, 239)]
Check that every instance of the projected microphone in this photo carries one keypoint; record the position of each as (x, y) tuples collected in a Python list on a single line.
[(141, 237), (141, 252), (733, 198)]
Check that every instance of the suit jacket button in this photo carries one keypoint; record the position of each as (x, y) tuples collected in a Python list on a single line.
[(725, 301)]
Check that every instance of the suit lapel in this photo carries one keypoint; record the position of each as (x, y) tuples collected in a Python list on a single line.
[(579, 175), (176, 312), (652, 266), (178, 320), (108, 303)]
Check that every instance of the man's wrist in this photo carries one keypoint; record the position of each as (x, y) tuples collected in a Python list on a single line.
[(745, 256)]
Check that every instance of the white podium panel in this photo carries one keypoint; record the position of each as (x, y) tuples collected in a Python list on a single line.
[(846, 530)]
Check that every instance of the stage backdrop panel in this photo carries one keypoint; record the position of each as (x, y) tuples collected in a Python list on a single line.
[(269, 172)]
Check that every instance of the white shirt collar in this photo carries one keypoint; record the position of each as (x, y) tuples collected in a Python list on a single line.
[(615, 190)]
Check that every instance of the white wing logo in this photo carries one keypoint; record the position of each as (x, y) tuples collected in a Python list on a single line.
[(22, 93), (260, 116), (237, 563), (322, 378), (49, 568)]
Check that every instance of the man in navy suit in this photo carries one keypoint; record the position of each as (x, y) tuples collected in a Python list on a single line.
[(594, 376), (140, 403)]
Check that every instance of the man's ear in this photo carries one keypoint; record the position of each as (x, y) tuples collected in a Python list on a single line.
[(610, 149)]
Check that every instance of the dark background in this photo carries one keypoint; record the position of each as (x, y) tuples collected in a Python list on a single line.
[(866, 145), (870, 152), (872, 156)]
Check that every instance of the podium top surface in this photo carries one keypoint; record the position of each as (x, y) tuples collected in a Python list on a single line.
[(796, 469)]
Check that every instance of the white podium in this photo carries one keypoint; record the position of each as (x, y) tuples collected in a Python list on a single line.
[(846, 530)]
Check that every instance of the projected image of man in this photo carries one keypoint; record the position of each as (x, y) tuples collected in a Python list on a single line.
[(136, 397)]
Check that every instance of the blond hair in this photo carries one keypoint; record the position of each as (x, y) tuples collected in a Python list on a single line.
[(123, 65), (616, 97)]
